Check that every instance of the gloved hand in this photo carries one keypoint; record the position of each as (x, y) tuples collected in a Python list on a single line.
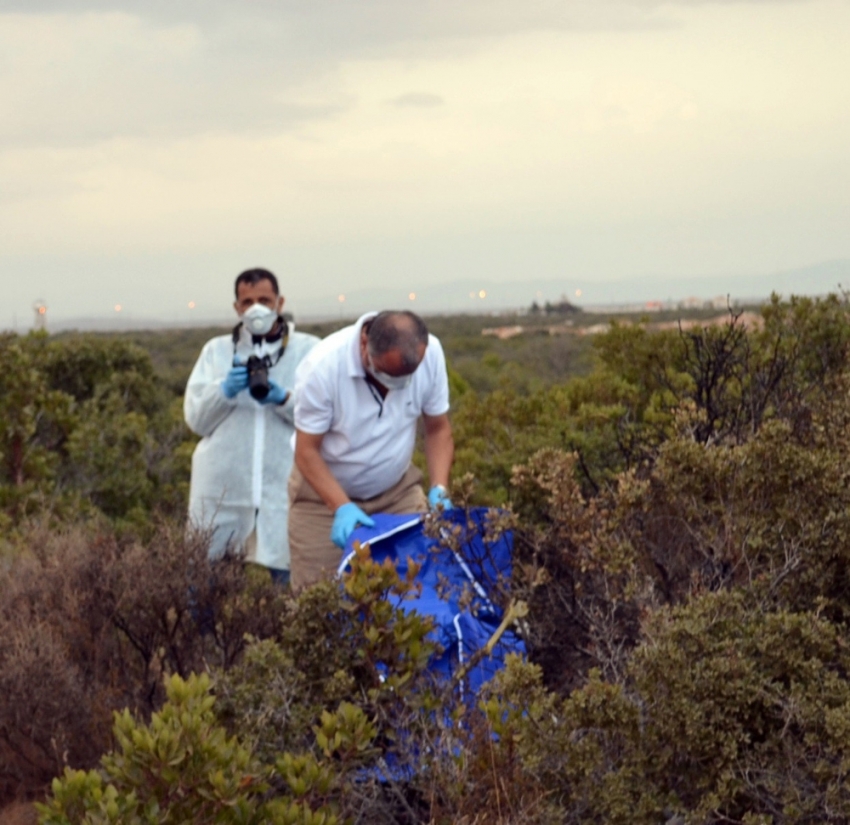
[(235, 381), (346, 518), (438, 498), (276, 394)]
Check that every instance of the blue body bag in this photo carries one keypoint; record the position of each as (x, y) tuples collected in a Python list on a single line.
[(462, 625)]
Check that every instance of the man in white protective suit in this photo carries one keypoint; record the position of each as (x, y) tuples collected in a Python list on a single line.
[(239, 399)]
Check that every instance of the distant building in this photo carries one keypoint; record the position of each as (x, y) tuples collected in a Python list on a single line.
[(749, 320), (503, 332), (597, 329)]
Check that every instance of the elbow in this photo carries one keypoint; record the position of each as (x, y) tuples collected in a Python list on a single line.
[(200, 424), (192, 423), (440, 431), (198, 430), (193, 413), (306, 453), (300, 458)]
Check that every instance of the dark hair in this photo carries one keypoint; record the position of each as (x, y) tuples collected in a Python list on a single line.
[(398, 330), (254, 276)]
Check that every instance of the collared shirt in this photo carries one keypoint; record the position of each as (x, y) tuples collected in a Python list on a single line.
[(368, 441)]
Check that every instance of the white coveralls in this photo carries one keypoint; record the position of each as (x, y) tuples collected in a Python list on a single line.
[(241, 466)]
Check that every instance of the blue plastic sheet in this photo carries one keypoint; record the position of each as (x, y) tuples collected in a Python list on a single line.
[(457, 588)]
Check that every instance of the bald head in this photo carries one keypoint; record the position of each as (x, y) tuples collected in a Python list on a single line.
[(400, 332)]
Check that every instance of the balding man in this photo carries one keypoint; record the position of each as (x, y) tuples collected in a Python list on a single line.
[(359, 395)]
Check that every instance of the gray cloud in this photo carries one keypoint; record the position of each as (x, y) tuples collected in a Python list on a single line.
[(422, 100), (128, 77), (250, 57), (341, 28), (244, 71)]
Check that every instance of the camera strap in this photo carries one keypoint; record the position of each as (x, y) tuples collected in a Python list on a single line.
[(261, 341)]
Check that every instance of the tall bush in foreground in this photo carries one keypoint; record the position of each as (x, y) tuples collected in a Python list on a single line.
[(181, 768), (729, 709), (728, 714), (89, 623), (321, 726)]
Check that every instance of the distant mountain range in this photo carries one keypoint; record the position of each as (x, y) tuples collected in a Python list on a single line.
[(481, 296)]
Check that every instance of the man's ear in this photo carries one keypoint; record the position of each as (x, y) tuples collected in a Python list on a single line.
[(280, 302), (364, 343), (236, 307)]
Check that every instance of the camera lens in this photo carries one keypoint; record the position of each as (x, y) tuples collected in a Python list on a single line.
[(258, 377)]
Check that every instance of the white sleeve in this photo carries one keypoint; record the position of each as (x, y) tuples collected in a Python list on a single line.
[(436, 401), (299, 349), (314, 399), (204, 405), (287, 411)]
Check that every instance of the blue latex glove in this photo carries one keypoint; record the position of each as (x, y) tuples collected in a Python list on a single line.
[(346, 519), (276, 394), (235, 381), (438, 498)]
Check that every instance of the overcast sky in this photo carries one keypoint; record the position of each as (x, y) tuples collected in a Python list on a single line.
[(149, 151)]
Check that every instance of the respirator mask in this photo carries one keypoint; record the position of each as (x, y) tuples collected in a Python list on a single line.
[(258, 319), (391, 382)]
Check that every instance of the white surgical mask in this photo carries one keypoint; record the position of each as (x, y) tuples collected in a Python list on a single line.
[(258, 319), (391, 382)]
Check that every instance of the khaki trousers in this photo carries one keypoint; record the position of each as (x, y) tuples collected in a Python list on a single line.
[(313, 556)]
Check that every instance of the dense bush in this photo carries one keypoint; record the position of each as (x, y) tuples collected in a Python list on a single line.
[(90, 623), (86, 426), (304, 751), (680, 519), (182, 767), (729, 378), (728, 713)]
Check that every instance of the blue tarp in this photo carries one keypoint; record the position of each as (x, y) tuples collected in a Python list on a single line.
[(463, 625)]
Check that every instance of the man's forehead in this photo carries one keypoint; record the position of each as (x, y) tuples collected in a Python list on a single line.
[(394, 359), (263, 286)]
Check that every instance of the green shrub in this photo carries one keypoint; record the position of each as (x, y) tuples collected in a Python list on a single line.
[(90, 623), (681, 533), (728, 713), (346, 679), (746, 710), (182, 767)]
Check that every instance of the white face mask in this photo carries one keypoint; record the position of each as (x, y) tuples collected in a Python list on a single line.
[(391, 382), (258, 319)]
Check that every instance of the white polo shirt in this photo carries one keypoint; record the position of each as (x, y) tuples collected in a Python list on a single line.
[(368, 441)]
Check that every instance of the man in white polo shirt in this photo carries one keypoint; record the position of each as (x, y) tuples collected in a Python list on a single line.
[(359, 395)]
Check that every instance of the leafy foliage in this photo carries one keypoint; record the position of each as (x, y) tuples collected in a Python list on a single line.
[(90, 622), (88, 427), (182, 767), (680, 520)]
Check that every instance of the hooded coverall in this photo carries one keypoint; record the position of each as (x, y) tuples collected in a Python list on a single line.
[(241, 466)]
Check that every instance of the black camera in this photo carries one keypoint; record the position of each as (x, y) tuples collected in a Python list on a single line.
[(258, 376)]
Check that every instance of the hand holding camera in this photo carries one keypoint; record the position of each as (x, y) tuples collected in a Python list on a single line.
[(253, 375), (235, 381), (275, 395)]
